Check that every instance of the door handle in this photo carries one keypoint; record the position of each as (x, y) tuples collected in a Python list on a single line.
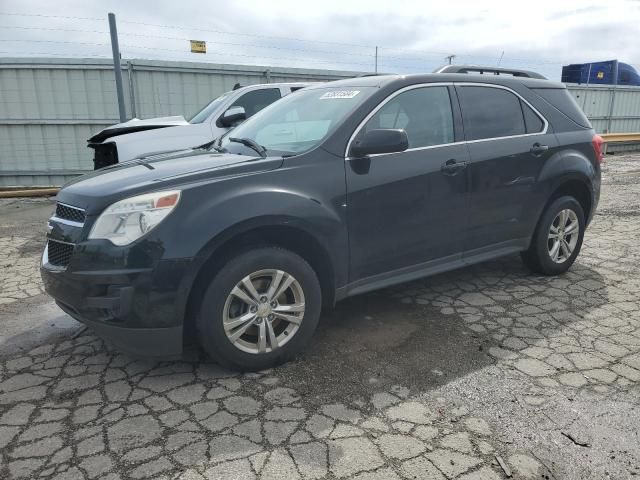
[(538, 149), (451, 167)]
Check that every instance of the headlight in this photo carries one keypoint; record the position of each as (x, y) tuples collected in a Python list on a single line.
[(129, 219)]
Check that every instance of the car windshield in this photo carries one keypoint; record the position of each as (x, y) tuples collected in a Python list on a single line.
[(203, 114), (298, 122)]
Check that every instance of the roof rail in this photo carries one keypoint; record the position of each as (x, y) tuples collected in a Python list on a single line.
[(488, 70)]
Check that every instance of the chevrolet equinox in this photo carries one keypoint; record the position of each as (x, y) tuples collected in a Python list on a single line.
[(335, 190)]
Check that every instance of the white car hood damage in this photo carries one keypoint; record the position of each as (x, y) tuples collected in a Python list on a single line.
[(137, 125)]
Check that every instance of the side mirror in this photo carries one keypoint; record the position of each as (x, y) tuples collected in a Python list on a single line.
[(233, 116), (385, 140)]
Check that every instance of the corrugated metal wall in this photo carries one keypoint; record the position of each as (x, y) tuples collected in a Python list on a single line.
[(49, 107), (611, 109)]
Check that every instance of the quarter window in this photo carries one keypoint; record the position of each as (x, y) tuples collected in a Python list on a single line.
[(424, 113), (490, 112), (532, 121)]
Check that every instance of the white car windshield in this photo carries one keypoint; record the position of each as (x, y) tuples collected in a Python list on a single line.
[(298, 122), (203, 114)]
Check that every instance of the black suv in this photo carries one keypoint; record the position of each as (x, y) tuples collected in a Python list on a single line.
[(335, 190)]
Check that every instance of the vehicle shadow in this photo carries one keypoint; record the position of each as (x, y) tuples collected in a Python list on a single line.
[(425, 333)]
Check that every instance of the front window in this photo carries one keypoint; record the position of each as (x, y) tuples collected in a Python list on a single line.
[(298, 122), (423, 113), (203, 114)]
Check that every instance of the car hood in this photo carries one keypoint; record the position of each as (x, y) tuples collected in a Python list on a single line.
[(137, 125), (96, 190)]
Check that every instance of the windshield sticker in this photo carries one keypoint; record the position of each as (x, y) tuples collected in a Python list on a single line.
[(339, 94)]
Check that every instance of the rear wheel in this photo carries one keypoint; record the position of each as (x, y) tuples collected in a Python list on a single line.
[(260, 310), (558, 237)]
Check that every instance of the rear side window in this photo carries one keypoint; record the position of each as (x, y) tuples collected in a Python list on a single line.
[(561, 99), (424, 113), (490, 113), (532, 121)]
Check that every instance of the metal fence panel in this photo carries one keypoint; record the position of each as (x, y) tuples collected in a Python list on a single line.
[(611, 109), (46, 147), (49, 107), (595, 102)]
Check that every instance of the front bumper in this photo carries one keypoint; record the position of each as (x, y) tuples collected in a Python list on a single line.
[(147, 342), (136, 309)]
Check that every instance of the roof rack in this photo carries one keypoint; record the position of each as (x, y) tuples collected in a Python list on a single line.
[(488, 70)]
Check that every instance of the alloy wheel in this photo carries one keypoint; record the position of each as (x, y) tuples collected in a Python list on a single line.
[(263, 311), (563, 235)]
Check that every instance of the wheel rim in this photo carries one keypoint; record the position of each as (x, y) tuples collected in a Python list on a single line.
[(263, 311), (563, 235)]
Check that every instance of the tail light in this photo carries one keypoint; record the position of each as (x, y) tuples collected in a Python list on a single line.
[(597, 143)]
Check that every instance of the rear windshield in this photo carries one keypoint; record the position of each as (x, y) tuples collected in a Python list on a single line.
[(564, 101)]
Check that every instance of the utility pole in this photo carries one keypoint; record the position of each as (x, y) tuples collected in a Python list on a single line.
[(586, 92), (450, 58), (376, 64), (116, 66)]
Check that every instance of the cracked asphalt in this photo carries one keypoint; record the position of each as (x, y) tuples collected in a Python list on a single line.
[(471, 375)]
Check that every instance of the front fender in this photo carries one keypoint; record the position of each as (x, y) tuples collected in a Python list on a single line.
[(244, 209), (210, 224)]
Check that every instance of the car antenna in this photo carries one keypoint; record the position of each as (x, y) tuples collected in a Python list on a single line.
[(237, 86)]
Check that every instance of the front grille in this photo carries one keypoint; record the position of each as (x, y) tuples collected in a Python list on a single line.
[(58, 253), (67, 212)]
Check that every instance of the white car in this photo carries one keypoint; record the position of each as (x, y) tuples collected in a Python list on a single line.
[(136, 138)]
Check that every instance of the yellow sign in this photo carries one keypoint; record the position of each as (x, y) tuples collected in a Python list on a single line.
[(601, 75), (198, 46)]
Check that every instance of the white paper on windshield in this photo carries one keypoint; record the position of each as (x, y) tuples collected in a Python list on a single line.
[(339, 94)]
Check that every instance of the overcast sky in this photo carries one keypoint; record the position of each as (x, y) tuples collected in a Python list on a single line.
[(412, 35)]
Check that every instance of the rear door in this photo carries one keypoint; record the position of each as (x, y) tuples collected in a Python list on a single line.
[(403, 208), (509, 142)]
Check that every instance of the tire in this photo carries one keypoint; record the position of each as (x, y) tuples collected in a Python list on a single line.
[(263, 319), (539, 256)]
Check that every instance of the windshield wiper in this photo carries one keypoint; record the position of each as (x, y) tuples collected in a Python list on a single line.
[(247, 142), (210, 145), (205, 146)]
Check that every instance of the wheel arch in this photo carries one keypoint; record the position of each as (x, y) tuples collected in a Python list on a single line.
[(578, 188), (281, 232), (576, 185), (570, 172)]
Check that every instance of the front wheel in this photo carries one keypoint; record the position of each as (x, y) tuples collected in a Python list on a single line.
[(260, 310), (557, 239)]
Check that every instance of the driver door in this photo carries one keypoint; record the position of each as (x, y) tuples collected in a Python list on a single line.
[(407, 210)]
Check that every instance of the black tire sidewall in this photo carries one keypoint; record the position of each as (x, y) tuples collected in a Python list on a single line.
[(211, 333), (544, 262)]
